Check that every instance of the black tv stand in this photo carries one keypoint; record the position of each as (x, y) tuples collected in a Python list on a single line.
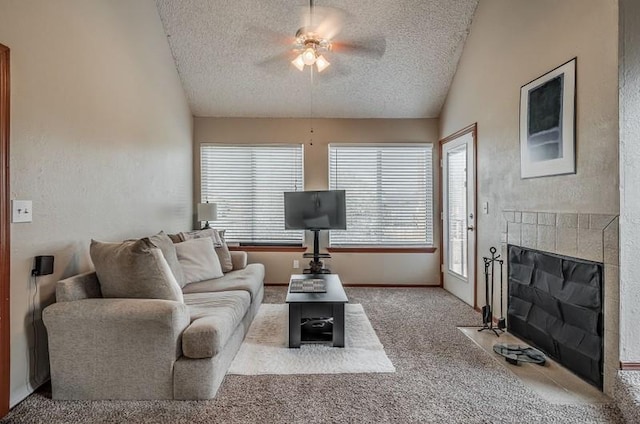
[(315, 265)]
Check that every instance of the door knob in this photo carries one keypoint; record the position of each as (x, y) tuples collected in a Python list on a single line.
[(470, 228)]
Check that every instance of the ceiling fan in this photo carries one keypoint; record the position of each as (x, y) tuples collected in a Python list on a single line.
[(316, 38)]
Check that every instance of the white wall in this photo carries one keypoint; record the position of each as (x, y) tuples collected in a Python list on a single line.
[(629, 181), (101, 138), (354, 268), (512, 42)]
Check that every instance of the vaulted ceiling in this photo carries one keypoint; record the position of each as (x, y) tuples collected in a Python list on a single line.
[(234, 57)]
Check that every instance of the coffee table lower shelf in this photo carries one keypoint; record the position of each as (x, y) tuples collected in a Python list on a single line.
[(298, 311)]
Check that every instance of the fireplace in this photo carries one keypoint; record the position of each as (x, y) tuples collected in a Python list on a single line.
[(555, 303)]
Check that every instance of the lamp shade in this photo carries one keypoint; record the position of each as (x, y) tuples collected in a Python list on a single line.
[(309, 56), (298, 62), (322, 63), (207, 211)]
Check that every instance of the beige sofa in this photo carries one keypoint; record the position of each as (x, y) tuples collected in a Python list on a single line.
[(148, 348)]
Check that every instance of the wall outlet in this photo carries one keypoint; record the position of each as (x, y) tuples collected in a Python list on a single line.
[(21, 211), (296, 263)]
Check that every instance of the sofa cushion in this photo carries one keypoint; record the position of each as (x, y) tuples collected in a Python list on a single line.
[(133, 269), (217, 236), (198, 259), (164, 243), (214, 317), (249, 279)]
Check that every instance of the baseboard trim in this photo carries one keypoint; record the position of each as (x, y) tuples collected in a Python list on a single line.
[(394, 286), (630, 366)]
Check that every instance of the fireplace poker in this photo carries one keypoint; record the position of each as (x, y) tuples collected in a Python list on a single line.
[(502, 322)]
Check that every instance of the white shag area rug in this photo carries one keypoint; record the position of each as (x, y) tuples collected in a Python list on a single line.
[(265, 351)]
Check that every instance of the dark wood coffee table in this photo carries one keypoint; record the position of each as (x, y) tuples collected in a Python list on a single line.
[(317, 305)]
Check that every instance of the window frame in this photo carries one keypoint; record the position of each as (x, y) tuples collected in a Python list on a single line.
[(429, 247), (254, 245)]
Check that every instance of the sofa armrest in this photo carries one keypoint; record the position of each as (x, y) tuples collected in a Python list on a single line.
[(239, 259), (114, 348)]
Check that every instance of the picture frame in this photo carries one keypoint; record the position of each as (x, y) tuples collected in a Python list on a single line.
[(547, 123)]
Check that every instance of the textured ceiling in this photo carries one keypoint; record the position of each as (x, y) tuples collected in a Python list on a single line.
[(224, 52)]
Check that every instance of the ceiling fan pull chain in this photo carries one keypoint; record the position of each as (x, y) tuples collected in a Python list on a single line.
[(311, 107)]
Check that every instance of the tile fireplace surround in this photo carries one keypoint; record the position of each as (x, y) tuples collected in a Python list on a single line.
[(593, 237)]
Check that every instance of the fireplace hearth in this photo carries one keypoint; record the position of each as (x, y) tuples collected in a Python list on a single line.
[(556, 303)]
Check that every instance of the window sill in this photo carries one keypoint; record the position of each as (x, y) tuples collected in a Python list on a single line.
[(269, 248), (381, 249)]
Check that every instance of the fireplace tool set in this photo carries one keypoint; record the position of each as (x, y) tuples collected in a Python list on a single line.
[(487, 309), (513, 354)]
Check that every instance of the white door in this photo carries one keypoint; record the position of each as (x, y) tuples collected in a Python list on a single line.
[(459, 217)]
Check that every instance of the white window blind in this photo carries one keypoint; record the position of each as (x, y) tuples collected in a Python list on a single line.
[(388, 194), (247, 182)]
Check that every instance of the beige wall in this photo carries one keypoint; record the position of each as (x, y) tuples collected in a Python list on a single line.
[(100, 142), (511, 43), (630, 181), (354, 268)]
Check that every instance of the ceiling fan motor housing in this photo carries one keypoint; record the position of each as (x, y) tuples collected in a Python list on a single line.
[(306, 39)]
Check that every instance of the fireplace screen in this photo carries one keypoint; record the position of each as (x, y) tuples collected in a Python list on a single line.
[(555, 303)]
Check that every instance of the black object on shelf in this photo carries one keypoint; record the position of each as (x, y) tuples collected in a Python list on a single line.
[(487, 309), (316, 329)]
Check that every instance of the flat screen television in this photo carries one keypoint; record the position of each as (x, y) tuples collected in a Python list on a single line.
[(315, 210)]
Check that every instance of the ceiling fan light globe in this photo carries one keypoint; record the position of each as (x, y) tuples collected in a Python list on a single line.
[(309, 56), (322, 63), (298, 63)]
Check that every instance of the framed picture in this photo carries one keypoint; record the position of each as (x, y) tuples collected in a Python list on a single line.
[(547, 123)]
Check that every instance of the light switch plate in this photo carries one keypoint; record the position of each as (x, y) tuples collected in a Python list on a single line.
[(485, 207), (22, 211)]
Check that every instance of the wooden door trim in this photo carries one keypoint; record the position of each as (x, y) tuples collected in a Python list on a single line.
[(5, 263), (473, 129)]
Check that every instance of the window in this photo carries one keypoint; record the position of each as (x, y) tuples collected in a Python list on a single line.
[(388, 194), (247, 182)]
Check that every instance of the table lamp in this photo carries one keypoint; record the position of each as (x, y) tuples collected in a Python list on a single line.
[(207, 212)]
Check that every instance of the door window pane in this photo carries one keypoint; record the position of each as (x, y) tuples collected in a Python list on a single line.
[(457, 209)]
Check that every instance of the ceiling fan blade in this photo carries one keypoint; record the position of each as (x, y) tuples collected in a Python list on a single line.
[(333, 73), (372, 47), (281, 59), (326, 22), (265, 36)]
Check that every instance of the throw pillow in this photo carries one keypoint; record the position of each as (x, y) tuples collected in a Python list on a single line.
[(164, 243), (217, 236), (134, 269), (175, 238), (199, 260), (224, 254), (208, 232)]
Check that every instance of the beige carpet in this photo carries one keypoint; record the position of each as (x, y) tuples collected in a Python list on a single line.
[(265, 351), (441, 377)]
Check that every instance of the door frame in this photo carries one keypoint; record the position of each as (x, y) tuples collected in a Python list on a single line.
[(5, 250), (473, 129)]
